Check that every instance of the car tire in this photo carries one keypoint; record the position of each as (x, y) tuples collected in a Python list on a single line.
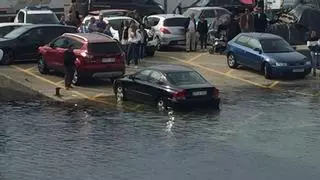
[(267, 71), (231, 61), (120, 93), (42, 66), (161, 105), (76, 80), (7, 57)]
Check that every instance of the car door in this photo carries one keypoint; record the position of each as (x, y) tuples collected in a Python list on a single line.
[(54, 53), (254, 57), (134, 88), (28, 44), (240, 49), (155, 86)]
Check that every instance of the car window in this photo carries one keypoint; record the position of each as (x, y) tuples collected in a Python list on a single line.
[(209, 13), (156, 77), (242, 40), (16, 33), (116, 23), (192, 11), (221, 12), (42, 19), (5, 30), (61, 43), (21, 17), (33, 35), (185, 78), (104, 48), (275, 46), (75, 44), (254, 43), (153, 21), (143, 75), (175, 22)]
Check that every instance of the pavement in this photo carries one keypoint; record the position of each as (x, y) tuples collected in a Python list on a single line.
[(212, 67)]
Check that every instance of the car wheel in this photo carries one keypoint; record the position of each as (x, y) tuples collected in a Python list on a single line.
[(7, 58), (231, 61), (161, 105), (76, 78), (42, 66), (267, 71), (120, 93)]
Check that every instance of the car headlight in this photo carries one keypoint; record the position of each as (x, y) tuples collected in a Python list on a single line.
[(281, 64)]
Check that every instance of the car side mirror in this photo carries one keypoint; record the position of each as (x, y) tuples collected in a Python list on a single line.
[(258, 50)]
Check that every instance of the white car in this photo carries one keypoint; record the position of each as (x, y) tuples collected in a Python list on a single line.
[(169, 28), (36, 15), (209, 13)]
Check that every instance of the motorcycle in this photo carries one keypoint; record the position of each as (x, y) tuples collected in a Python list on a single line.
[(219, 43)]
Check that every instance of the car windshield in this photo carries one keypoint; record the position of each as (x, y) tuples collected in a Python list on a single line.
[(185, 78), (42, 19), (6, 29), (104, 48), (175, 22), (16, 33), (275, 46)]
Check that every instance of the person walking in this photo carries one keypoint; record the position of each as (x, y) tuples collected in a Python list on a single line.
[(144, 38), (246, 21), (69, 65), (101, 25), (133, 40), (190, 29), (202, 29), (260, 21)]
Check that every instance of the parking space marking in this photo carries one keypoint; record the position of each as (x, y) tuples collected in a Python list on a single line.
[(60, 82), (73, 91), (230, 71), (273, 84), (195, 58), (98, 95), (30, 69)]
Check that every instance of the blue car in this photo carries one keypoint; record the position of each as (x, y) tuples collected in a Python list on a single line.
[(267, 53)]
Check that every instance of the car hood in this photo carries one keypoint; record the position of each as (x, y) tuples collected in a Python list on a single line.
[(286, 57)]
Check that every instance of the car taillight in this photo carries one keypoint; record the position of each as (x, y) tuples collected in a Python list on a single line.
[(216, 92), (165, 31), (85, 54), (179, 95), (121, 57)]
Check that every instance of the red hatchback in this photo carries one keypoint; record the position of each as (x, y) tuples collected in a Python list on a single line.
[(98, 56)]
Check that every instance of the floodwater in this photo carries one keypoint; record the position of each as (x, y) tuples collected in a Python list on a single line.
[(257, 135)]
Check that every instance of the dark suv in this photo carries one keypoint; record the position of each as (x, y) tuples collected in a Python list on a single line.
[(23, 43)]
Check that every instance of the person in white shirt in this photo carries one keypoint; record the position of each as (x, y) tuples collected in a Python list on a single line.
[(134, 40), (191, 34)]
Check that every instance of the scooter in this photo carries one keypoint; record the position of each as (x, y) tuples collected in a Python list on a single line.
[(219, 44)]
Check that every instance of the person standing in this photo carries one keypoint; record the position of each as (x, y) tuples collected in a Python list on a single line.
[(190, 29), (144, 37), (62, 20), (260, 21), (69, 65), (92, 26), (133, 40), (202, 29), (233, 28), (178, 9), (314, 49), (246, 21), (101, 25)]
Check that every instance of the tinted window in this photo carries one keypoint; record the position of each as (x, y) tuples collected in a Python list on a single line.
[(243, 40), (221, 12), (192, 11), (42, 19), (185, 78), (156, 77), (16, 33), (6, 29), (143, 75), (254, 43), (35, 34), (21, 17), (75, 44), (275, 45), (209, 13), (103, 48), (153, 21), (61, 43), (175, 22), (114, 14)]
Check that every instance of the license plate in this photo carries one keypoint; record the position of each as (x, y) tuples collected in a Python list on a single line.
[(107, 60), (199, 93), (298, 70)]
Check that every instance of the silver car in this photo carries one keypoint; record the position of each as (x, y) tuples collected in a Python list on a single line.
[(168, 28)]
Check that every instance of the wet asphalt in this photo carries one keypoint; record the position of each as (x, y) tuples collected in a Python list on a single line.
[(259, 133)]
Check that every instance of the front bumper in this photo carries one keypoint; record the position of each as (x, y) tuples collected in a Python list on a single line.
[(291, 70)]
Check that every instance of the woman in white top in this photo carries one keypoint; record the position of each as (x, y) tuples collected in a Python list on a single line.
[(133, 40)]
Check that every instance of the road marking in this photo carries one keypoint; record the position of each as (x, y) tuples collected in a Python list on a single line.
[(230, 71), (273, 84), (98, 95), (73, 91), (60, 82), (195, 58), (30, 69)]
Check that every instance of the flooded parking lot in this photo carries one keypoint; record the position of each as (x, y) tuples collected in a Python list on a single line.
[(266, 129)]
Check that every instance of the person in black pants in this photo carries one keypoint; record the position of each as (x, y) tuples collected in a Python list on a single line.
[(69, 65), (203, 31)]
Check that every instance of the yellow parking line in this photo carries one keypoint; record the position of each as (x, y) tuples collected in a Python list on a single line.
[(98, 95), (30, 69), (273, 84), (230, 71), (73, 91), (60, 82), (195, 58)]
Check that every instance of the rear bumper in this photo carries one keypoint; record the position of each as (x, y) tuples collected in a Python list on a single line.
[(195, 103), (283, 71), (167, 40), (102, 71)]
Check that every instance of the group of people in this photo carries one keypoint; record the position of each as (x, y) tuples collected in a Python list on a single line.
[(246, 22)]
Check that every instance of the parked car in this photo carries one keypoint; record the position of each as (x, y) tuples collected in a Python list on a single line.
[(166, 86), (22, 43), (98, 56), (5, 28), (267, 53), (116, 23), (209, 13), (169, 29), (36, 15), (110, 12)]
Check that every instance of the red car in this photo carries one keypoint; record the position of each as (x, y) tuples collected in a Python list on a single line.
[(98, 56)]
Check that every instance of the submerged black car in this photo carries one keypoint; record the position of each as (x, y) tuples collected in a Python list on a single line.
[(166, 86)]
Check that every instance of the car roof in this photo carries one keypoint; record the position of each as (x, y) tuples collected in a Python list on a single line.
[(91, 37), (261, 35), (39, 12), (168, 16), (46, 25), (13, 24), (114, 10), (205, 8), (170, 68)]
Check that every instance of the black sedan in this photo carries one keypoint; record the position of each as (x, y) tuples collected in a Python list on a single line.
[(166, 86)]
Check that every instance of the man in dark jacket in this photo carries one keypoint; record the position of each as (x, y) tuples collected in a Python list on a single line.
[(202, 29), (260, 21), (233, 29), (69, 64)]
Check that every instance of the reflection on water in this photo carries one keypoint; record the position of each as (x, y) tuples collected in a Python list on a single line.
[(258, 136)]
